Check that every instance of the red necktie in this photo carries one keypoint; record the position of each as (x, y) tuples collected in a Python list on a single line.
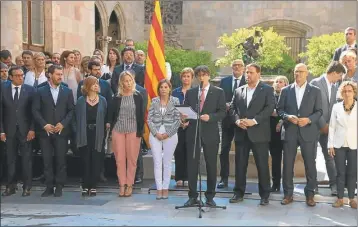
[(202, 99)]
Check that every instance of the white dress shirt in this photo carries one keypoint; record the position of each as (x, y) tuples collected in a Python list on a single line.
[(329, 86), (250, 93), (168, 69), (14, 91), (30, 78), (299, 93), (54, 92)]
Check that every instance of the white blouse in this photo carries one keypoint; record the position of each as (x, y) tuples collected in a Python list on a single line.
[(30, 78)]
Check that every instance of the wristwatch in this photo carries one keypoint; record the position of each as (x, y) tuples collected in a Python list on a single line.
[(309, 121)]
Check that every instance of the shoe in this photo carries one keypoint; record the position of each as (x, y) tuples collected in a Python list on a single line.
[(310, 201), (85, 192), (275, 188), (223, 184), (26, 192), (138, 180), (287, 200), (180, 183), (316, 190), (210, 202), (264, 202), (8, 192), (338, 203), (353, 203), (334, 190), (159, 194), (58, 191), (92, 192), (129, 191), (39, 178), (47, 192), (191, 202), (236, 199), (165, 193), (122, 190)]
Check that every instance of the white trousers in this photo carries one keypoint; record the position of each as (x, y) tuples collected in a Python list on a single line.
[(163, 152)]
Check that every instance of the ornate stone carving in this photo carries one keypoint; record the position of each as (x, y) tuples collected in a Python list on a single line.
[(172, 11), (171, 36)]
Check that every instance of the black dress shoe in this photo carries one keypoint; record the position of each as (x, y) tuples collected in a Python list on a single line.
[(264, 202), (275, 188), (236, 199), (210, 202), (191, 202), (8, 192), (138, 180), (47, 192), (223, 184), (58, 191), (26, 192), (102, 178)]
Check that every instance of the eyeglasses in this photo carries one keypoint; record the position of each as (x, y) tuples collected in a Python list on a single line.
[(300, 71), (347, 91)]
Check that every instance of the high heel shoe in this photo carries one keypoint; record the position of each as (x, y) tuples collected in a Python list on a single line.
[(159, 194), (84, 191), (165, 194), (129, 190), (122, 189), (93, 192)]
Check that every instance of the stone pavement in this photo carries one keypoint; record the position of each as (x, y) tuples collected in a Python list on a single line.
[(143, 209)]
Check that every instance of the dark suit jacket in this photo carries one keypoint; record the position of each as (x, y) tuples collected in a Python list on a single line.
[(144, 94), (214, 106), (105, 90), (139, 76), (260, 108), (21, 115), (114, 108), (45, 111), (339, 51), (311, 107), (226, 85)]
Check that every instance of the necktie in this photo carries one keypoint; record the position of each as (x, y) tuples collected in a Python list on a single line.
[(235, 84), (16, 96), (127, 67), (202, 99), (36, 83)]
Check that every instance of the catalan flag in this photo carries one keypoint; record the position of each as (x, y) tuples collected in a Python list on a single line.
[(155, 62)]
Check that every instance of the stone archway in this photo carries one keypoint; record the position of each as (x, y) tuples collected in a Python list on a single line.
[(101, 17), (121, 21), (295, 32)]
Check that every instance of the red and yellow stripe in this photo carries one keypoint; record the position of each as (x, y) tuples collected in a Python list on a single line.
[(155, 61)]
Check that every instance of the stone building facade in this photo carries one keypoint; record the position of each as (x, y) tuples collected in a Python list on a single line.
[(85, 25)]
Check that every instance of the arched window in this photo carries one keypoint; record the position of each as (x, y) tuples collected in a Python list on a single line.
[(33, 25)]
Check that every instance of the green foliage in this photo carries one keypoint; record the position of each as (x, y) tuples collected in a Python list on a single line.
[(285, 68), (270, 53), (320, 50)]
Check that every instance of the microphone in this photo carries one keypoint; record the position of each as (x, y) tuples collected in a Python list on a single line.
[(201, 85)]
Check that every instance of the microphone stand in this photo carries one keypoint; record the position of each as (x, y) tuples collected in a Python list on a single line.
[(200, 204)]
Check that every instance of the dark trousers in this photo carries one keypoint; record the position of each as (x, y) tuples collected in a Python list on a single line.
[(227, 137), (260, 152), (92, 161), (276, 147), (180, 155), (330, 165), (308, 151), (346, 164), (210, 156), (54, 146), (2, 161), (13, 144)]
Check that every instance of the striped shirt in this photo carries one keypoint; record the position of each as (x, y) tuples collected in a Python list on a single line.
[(126, 122)]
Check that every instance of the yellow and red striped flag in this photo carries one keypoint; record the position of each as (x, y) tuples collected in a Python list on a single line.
[(155, 62)]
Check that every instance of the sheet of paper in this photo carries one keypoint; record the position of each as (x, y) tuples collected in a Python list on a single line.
[(187, 111)]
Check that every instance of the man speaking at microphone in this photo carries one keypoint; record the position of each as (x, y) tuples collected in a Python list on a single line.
[(211, 101)]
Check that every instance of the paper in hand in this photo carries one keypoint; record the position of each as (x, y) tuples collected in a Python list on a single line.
[(188, 111)]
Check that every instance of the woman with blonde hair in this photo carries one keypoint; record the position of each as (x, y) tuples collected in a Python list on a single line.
[(342, 142), (84, 66), (126, 117), (37, 75), (163, 122), (91, 112), (78, 59)]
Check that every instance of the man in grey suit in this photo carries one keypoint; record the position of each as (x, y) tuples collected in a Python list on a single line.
[(212, 110), (350, 34), (251, 108), (327, 84), (300, 106)]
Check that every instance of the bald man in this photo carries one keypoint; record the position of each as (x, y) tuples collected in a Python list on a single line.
[(300, 106)]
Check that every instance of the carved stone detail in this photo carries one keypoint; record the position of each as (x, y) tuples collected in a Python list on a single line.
[(172, 11), (172, 36)]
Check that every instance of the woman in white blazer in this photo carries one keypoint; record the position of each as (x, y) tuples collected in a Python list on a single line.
[(342, 142)]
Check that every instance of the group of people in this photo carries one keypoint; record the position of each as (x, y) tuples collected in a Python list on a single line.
[(258, 117)]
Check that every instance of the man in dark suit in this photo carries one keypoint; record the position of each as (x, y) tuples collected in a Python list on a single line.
[(327, 84), (300, 106), (53, 110), (127, 54), (251, 108), (350, 33), (229, 84), (212, 110), (17, 128)]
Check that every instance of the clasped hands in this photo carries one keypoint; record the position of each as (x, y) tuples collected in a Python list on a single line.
[(50, 129), (161, 136), (245, 123), (301, 122)]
